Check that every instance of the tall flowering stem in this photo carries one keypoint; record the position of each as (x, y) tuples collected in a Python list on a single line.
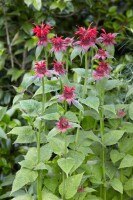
[(39, 184), (67, 65), (83, 95), (101, 113)]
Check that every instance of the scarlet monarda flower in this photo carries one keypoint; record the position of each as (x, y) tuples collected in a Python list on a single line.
[(102, 54), (108, 38), (102, 71), (87, 37), (68, 95), (41, 70), (41, 32), (58, 67), (60, 44), (63, 124)]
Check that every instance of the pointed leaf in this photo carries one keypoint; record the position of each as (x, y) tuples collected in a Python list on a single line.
[(116, 156), (23, 177), (2, 133), (131, 111), (92, 102), (25, 134), (38, 51), (117, 185), (127, 161), (128, 184), (112, 137), (66, 164), (76, 51), (71, 186)]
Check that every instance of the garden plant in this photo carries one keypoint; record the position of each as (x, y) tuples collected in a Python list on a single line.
[(78, 122)]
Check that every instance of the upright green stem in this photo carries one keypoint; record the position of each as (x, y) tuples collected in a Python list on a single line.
[(39, 184), (83, 95), (101, 111), (121, 178), (67, 65), (46, 57), (65, 152)]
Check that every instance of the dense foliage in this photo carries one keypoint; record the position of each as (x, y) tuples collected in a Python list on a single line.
[(17, 47)]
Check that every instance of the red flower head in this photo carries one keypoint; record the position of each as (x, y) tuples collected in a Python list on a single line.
[(120, 113), (63, 124), (102, 54), (58, 67), (102, 71), (41, 70), (58, 44), (68, 95), (69, 41), (108, 38), (87, 37), (41, 32)]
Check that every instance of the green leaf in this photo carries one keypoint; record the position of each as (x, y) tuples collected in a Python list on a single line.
[(117, 185), (23, 177), (79, 71), (116, 155), (40, 166), (51, 183), (51, 116), (57, 145), (130, 92), (47, 195), (127, 126), (52, 133), (127, 161), (125, 145), (17, 98), (37, 4), (66, 164), (30, 161), (2, 112), (111, 84), (45, 152), (112, 137), (31, 107), (79, 106), (92, 102), (130, 110), (49, 87), (78, 158), (28, 79), (76, 51), (38, 51), (129, 184), (2, 133), (25, 134), (110, 108), (15, 73), (23, 197), (59, 56), (71, 116), (94, 137), (71, 185), (31, 43), (28, 2)]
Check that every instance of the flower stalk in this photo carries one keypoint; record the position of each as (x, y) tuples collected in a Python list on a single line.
[(101, 112), (83, 95), (39, 184)]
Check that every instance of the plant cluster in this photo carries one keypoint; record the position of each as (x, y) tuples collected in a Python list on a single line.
[(78, 123)]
